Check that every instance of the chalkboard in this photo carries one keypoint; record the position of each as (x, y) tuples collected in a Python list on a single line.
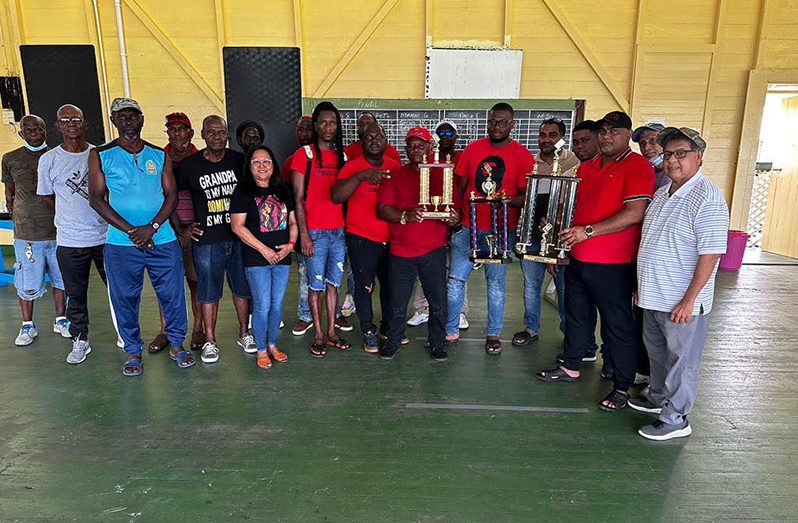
[(470, 116)]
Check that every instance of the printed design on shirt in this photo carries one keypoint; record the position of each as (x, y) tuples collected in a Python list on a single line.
[(272, 213), (493, 166), (78, 183), (151, 168), (325, 170), (218, 187)]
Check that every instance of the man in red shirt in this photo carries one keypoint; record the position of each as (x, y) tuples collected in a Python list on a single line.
[(314, 169), (507, 163), (355, 149), (417, 248), (611, 202), (367, 235)]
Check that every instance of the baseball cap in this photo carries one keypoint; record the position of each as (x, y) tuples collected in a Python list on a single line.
[(615, 119), (653, 125), (125, 103), (178, 118), (446, 122), (419, 132), (673, 133)]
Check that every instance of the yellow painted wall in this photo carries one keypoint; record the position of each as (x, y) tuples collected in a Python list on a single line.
[(686, 61)]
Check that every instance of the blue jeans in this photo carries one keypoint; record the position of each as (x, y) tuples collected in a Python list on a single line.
[(326, 266), (268, 284), (459, 272), (212, 261), (534, 273)]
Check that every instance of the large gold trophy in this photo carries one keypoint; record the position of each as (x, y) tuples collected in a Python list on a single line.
[(558, 215), (431, 205)]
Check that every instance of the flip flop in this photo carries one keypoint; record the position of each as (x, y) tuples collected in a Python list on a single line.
[(339, 343), (523, 338), (493, 347), (555, 375), (182, 357), (135, 365), (318, 350)]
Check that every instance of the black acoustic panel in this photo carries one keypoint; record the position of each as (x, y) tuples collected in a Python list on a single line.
[(264, 84), (59, 74)]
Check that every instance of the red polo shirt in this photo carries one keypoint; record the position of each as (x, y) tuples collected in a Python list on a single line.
[(355, 150), (602, 193), (401, 192), (508, 165), (361, 214), (320, 211)]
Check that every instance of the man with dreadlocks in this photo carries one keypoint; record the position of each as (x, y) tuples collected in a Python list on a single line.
[(248, 134), (314, 169)]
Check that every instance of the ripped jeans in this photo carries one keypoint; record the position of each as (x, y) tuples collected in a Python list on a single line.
[(460, 270), (326, 266)]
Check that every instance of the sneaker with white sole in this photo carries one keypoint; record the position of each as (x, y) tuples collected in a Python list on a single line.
[(661, 431), (641, 378), (26, 335), (247, 342), (642, 404), (463, 322), (61, 326), (301, 327), (282, 324), (645, 392), (348, 306), (210, 352), (418, 318), (343, 324), (80, 349)]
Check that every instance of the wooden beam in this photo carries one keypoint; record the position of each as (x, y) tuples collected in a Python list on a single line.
[(709, 99), (355, 48), (759, 50), (508, 18), (428, 23), (175, 53), (635, 58), (221, 38), (588, 55), (299, 41), (102, 73)]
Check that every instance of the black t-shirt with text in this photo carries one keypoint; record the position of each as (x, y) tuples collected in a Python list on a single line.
[(267, 220), (211, 185)]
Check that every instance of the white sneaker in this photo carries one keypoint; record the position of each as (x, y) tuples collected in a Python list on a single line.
[(348, 307), (247, 342), (210, 352), (418, 318), (463, 322), (80, 349), (282, 324), (641, 378), (26, 335), (61, 326)]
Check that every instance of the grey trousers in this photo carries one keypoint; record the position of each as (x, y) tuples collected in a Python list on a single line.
[(674, 351)]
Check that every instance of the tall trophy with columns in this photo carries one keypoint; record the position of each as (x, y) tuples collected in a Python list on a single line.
[(435, 207), (498, 242)]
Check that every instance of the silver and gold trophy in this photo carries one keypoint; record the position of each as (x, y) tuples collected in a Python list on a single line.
[(498, 239), (558, 215), (431, 205)]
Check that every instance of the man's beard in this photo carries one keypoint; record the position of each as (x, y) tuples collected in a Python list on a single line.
[(498, 140)]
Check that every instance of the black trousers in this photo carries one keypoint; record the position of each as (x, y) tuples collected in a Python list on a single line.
[(431, 271), (369, 262), (609, 288), (75, 264)]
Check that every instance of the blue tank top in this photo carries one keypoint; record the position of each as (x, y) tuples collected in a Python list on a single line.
[(134, 189)]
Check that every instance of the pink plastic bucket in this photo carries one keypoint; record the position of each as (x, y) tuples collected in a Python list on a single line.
[(735, 249)]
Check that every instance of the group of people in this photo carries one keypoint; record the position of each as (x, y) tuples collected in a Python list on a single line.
[(647, 233)]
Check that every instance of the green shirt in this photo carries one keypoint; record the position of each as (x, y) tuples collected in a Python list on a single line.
[(33, 219)]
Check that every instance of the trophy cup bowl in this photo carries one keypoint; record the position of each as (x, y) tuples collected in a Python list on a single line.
[(435, 213)]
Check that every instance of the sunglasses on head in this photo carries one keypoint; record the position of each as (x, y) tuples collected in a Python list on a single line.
[(445, 134)]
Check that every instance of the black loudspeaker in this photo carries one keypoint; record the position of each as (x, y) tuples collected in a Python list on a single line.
[(59, 74), (264, 84)]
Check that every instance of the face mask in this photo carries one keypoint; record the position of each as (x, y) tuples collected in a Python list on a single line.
[(657, 161), (31, 148)]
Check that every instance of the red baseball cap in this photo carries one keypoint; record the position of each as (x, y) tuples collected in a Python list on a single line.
[(419, 132), (178, 118)]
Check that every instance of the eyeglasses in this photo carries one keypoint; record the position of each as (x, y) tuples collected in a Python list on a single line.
[(445, 134), (261, 163), (681, 154), (74, 119), (499, 123)]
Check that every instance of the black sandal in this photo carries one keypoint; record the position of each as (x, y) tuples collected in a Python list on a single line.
[(339, 343), (556, 375), (493, 347), (615, 400), (318, 350), (523, 338)]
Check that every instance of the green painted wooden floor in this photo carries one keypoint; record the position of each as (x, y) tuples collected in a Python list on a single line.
[(334, 439)]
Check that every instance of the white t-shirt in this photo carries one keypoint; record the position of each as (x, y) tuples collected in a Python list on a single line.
[(66, 175)]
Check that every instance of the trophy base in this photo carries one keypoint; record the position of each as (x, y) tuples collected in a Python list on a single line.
[(490, 261), (544, 259), (434, 215)]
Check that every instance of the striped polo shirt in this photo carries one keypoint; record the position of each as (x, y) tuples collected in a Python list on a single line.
[(135, 189), (678, 228)]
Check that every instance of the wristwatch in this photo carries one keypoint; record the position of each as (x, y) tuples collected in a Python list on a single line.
[(403, 218), (155, 225), (589, 230)]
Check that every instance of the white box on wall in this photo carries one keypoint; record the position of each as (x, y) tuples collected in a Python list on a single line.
[(473, 73)]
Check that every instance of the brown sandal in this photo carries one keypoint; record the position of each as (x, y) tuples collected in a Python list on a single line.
[(278, 355), (339, 343), (158, 344), (493, 347)]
